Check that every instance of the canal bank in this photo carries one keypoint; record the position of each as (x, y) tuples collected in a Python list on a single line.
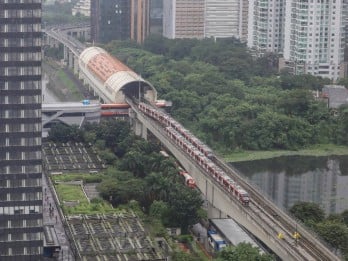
[(315, 150)]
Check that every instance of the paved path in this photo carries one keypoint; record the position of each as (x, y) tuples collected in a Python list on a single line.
[(52, 217)]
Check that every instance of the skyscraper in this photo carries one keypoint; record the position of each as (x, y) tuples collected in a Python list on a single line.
[(140, 20), (224, 18), (266, 26), (183, 18), (314, 39), (308, 33), (20, 130), (110, 20)]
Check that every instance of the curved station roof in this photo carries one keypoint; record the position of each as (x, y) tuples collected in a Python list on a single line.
[(114, 79)]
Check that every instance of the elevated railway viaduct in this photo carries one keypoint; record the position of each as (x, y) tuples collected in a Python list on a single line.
[(113, 82)]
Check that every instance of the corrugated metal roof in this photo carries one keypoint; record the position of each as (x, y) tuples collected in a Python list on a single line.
[(233, 232), (111, 73)]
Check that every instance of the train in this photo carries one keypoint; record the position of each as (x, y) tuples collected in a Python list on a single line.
[(168, 121), (189, 181), (197, 150)]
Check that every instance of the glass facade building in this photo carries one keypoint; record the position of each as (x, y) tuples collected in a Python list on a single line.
[(20, 130), (110, 20)]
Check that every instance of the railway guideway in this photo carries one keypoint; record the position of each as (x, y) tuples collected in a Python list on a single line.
[(263, 225)]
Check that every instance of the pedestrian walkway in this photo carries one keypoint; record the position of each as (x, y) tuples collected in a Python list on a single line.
[(51, 216)]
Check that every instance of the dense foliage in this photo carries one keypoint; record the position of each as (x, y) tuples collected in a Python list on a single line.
[(333, 229), (244, 251), (138, 172), (231, 100), (60, 13)]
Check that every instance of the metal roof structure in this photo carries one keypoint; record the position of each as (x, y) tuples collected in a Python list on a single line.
[(233, 232), (112, 77)]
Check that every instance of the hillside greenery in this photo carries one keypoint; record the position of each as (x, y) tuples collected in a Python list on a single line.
[(231, 100)]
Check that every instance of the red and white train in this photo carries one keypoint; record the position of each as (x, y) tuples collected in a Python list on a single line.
[(197, 150), (189, 181), (166, 120)]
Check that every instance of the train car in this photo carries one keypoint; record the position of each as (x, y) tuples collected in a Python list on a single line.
[(189, 181), (199, 152), (242, 195)]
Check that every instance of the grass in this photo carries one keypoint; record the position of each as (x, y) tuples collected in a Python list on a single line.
[(315, 150), (68, 192), (69, 84), (86, 178)]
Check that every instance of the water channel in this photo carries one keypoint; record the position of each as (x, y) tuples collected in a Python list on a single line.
[(287, 180), (47, 95)]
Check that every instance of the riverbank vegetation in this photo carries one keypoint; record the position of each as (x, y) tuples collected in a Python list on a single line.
[(333, 228), (317, 150), (232, 101)]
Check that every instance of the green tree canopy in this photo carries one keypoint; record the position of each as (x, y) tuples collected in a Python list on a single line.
[(307, 212), (335, 233), (242, 252)]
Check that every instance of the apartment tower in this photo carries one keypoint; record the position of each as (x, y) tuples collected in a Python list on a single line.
[(225, 18), (314, 39), (183, 18), (308, 34), (20, 130), (266, 26)]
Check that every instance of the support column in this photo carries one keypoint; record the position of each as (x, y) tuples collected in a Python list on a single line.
[(66, 54), (140, 129), (76, 66), (71, 60)]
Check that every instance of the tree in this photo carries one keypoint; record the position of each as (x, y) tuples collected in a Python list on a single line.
[(342, 130), (159, 209), (242, 252), (184, 205), (121, 192), (157, 187), (335, 233), (63, 133), (307, 212), (345, 217)]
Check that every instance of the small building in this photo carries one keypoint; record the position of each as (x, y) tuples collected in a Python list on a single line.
[(82, 7), (336, 95), (231, 232)]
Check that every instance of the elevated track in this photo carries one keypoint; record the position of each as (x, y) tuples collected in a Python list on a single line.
[(261, 217)]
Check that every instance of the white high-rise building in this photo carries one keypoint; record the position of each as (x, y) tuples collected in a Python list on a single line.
[(266, 26), (314, 38), (223, 18), (309, 33)]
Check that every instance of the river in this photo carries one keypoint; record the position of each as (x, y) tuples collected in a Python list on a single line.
[(287, 180)]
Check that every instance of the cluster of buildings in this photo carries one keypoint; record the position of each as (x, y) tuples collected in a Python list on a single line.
[(308, 35)]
